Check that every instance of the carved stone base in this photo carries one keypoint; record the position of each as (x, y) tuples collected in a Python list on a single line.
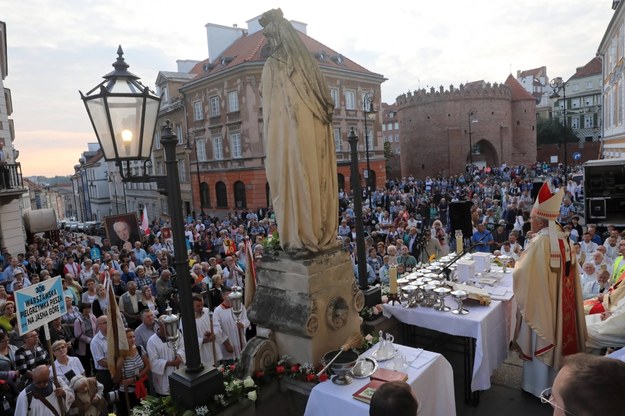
[(311, 304)]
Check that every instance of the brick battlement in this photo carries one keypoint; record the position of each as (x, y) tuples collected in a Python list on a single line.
[(473, 90)]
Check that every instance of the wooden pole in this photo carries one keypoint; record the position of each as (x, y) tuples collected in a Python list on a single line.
[(46, 331), (210, 317)]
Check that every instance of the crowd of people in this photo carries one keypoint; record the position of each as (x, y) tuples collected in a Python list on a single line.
[(143, 282), (406, 222)]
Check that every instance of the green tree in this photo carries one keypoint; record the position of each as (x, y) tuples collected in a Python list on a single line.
[(388, 151), (552, 132)]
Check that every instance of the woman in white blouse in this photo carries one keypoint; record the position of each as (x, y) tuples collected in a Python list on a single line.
[(67, 367)]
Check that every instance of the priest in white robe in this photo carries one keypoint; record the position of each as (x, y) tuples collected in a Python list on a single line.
[(209, 339), (163, 361), (549, 297), (233, 331), (45, 398)]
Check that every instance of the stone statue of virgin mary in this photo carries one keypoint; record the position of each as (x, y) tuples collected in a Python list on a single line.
[(301, 163)]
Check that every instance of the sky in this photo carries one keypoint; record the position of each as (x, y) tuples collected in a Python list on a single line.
[(56, 48)]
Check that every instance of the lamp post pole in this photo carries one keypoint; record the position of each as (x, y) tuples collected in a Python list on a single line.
[(191, 137), (113, 182), (559, 84), (367, 108), (471, 114), (169, 141), (361, 256), (75, 213)]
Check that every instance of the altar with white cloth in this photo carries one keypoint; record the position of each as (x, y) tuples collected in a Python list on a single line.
[(429, 375), (492, 328)]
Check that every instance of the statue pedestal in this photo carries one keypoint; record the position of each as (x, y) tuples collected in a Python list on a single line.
[(310, 304)]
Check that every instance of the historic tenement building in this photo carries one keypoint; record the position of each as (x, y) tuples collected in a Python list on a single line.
[(441, 131), (611, 50), (218, 108)]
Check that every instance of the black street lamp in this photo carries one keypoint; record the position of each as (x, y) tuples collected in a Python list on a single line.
[(367, 110), (192, 141), (75, 192), (472, 119), (558, 84), (123, 113), (113, 183), (81, 194), (373, 295)]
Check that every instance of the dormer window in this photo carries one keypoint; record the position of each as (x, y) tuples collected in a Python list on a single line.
[(338, 58), (225, 60), (209, 66), (321, 56)]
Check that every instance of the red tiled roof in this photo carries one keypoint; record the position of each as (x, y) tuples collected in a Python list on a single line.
[(517, 91), (594, 67), (248, 49)]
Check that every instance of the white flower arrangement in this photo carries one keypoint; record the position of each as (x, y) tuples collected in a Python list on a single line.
[(201, 410), (248, 382)]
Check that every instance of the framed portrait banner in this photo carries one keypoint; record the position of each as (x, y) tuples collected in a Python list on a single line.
[(122, 230)]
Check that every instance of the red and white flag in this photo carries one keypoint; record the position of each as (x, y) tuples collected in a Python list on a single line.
[(145, 225)]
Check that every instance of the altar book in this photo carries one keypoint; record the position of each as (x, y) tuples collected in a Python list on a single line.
[(366, 393), (384, 374)]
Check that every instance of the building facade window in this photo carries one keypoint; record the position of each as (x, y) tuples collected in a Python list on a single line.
[(619, 104), (575, 122), (589, 85), (218, 148), (337, 140), (179, 133), (235, 145), (335, 97), (397, 138), (588, 121), (575, 102), (383, 127), (205, 200), (198, 111), (233, 101), (350, 100), (396, 125), (182, 171), (200, 148), (214, 106), (588, 101), (222, 195), (157, 139), (370, 139), (239, 195)]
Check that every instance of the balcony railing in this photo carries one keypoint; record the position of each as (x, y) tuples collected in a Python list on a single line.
[(11, 172)]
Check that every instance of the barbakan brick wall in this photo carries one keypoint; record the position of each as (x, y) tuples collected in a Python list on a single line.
[(434, 127)]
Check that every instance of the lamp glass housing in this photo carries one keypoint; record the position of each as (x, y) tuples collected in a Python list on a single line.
[(123, 113)]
